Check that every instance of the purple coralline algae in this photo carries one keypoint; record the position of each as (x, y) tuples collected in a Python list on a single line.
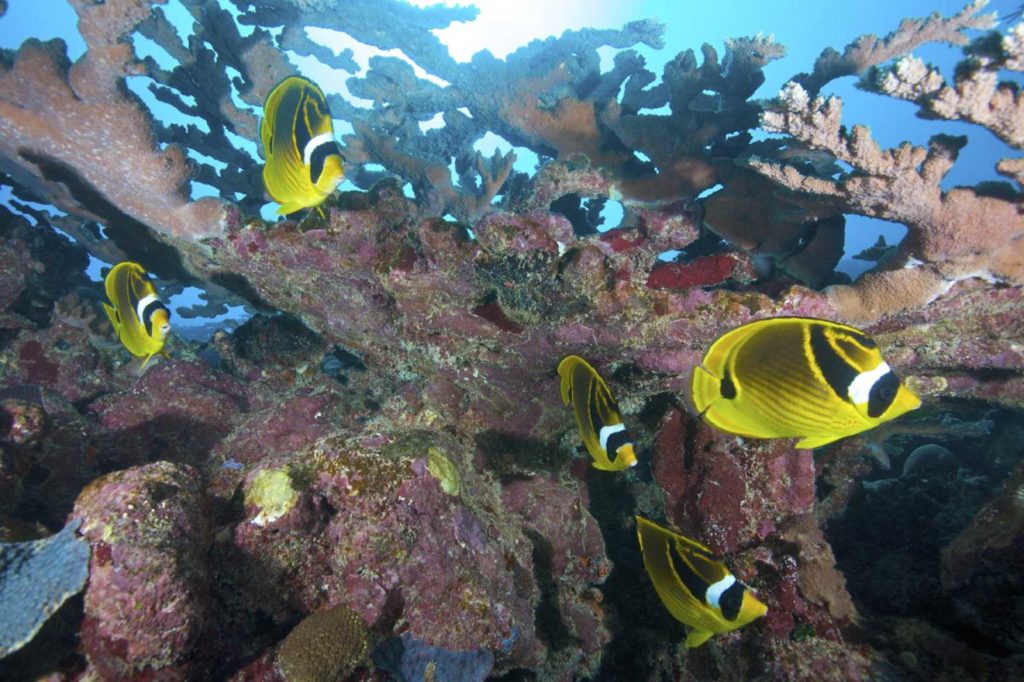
[(146, 601), (430, 482)]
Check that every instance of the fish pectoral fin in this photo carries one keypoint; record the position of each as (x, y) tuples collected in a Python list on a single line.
[(138, 365), (812, 442), (697, 637)]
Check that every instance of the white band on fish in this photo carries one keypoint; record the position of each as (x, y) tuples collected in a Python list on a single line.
[(716, 590), (607, 431), (860, 388), (140, 309), (321, 139)]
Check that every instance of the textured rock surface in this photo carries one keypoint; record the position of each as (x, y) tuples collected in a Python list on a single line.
[(146, 601)]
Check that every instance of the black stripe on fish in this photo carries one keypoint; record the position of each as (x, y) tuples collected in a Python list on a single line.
[(300, 127), (837, 372), (697, 586), (617, 440), (319, 156), (883, 392), (861, 338), (147, 314), (732, 600), (595, 415)]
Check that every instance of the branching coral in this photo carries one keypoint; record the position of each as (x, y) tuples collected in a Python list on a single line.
[(70, 133), (953, 234)]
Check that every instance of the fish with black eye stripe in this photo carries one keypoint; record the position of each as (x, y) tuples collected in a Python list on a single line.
[(597, 415), (694, 584), (798, 377), (140, 319), (304, 161)]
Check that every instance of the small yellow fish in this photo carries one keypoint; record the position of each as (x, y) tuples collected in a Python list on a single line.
[(304, 162), (597, 415), (798, 377), (140, 319), (695, 586)]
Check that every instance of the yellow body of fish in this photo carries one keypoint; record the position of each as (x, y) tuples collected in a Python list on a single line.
[(597, 415), (796, 377), (695, 585), (141, 320), (304, 162)]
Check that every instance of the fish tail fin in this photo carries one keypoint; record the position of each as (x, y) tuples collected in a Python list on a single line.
[(565, 373), (705, 388), (697, 637), (113, 316)]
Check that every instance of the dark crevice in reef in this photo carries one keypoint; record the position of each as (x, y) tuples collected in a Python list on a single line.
[(895, 540), (643, 630), (584, 214), (510, 456), (550, 628)]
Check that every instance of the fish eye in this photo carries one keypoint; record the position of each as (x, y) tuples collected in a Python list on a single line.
[(887, 393)]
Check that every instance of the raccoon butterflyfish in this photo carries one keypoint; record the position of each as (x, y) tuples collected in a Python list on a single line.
[(694, 584), (597, 415), (140, 319), (797, 377), (304, 161)]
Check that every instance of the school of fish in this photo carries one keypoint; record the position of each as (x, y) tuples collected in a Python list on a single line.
[(786, 377), (790, 377)]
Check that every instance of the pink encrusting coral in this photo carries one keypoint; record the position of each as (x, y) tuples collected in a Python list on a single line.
[(387, 436)]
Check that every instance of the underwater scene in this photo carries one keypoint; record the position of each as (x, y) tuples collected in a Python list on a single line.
[(406, 340)]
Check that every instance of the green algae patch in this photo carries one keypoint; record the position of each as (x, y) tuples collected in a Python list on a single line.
[(441, 468), (271, 490)]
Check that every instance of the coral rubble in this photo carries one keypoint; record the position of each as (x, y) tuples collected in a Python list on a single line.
[(382, 452)]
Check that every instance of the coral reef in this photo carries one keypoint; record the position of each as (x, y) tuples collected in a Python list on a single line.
[(383, 449)]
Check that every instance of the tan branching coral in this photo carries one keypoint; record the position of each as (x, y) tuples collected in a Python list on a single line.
[(976, 96), (70, 133), (952, 235), (870, 50)]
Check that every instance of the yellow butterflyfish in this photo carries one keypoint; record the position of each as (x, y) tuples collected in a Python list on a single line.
[(140, 318), (694, 584), (597, 415), (304, 161), (797, 377)]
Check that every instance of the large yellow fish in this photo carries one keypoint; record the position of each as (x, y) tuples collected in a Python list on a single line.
[(304, 162), (797, 377), (597, 415), (695, 585), (141, 320)]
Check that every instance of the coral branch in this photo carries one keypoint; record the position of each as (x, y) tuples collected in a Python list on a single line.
[(68, 133), (957, 234), (869, 50)]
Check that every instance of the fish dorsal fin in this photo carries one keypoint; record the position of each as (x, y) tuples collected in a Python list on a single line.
[(673, 580)]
